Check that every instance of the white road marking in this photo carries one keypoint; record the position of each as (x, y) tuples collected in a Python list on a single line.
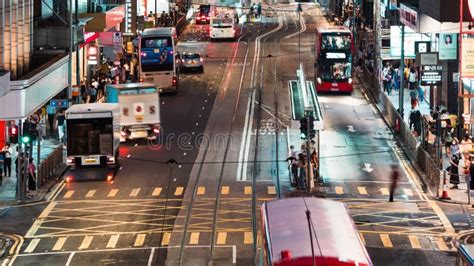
[(150, 259), (112, 193), (134, 192), (113, 241), (156, 191), (140, 240), (68, 194), (69, 260), (59, 243), (91, 193)]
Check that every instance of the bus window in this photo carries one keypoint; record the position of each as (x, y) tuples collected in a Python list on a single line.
[(336, 42), (138, 91)]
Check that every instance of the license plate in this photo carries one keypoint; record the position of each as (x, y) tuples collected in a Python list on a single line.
[(139, 134), (156, 51), (90, 160)]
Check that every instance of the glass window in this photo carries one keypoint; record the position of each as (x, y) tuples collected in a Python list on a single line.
[(335, 71), (156, 42), (336, 41), (138, 91), (192, 56), (89, 136)]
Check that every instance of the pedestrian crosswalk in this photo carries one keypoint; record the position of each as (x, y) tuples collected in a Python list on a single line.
[(112, 193), (365, 191), (114, 241)]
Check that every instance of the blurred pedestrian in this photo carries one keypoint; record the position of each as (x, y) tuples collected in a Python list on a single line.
[(294, 164), (303, 166), (7, 154), (31, 175), (454, 171), (395, 176), (314, 163), (51, 111), (448, 140), (60, 124)]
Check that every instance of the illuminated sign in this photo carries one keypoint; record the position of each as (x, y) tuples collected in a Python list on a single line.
[(431, 75), (335, 56), (409, 17), (471, 7), (467, 62), (92, 55)]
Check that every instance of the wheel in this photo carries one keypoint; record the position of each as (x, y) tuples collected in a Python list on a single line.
[(201, 69)]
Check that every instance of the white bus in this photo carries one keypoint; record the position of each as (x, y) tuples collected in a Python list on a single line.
[(222, 28), (157, 58)]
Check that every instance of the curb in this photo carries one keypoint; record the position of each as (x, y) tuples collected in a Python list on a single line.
[(40, 199)]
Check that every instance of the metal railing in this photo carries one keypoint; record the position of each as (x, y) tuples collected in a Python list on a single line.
[(49, 167)]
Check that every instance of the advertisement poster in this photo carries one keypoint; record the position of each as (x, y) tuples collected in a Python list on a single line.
[(448, 46), (467, 62)]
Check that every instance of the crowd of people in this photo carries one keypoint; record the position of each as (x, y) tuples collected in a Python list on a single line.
[(299, 165)]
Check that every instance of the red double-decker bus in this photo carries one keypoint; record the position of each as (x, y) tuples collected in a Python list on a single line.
[(310, 231), (333, 66)]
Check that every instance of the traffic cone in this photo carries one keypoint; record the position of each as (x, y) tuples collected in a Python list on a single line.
[(445, 196)]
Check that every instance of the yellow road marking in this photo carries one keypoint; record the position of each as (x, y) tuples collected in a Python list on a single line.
[(166, 239), (248, 238), (156, 191), (271, 190), (59, 243), (225, 190), (408, 192), (415, 243), (112, 193), (86, 242), (68, 194), (362, 190), (247, 190), (134, 192), (31, 247), (194, 239), (48, 210), (339, 190), (91, 193), (361, 235), (441, 244), (384, 191), (201, 190), (139, 240), (221, 238), (386, 240), (179, 191), (113, 241)]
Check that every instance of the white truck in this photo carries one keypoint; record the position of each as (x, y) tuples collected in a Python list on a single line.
[(93, 139), (139, 109)]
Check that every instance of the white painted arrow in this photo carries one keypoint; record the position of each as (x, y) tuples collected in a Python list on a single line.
[(367, 168), (351, 129)]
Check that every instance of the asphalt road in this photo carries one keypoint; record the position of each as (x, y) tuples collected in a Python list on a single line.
[(227, 130)]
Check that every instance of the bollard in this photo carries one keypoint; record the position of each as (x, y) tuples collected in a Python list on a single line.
[(445, 196)]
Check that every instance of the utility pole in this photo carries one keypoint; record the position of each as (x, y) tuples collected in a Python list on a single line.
[(299, 9), (71, 45), (402, 76), (354, 20), (78, 58)]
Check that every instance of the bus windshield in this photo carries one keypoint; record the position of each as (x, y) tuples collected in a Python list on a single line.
[(335, 41), (335, 71), (157, 54), (90, 136)]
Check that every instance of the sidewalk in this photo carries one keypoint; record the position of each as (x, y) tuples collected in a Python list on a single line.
[(9, 185), (423, 107)]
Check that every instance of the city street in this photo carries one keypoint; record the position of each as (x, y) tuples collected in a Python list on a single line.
[(194, 196)]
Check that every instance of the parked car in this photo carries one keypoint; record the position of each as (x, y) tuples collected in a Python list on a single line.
[(191, 61)]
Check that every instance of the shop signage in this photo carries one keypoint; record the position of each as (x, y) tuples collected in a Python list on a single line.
[(89, 37), (427, 59), (409, 17), (448, 46), (471, 7), (431, 75), (423, 47), (335, 56), (92, 55), (467, 62), (59, 103), (114, 17)]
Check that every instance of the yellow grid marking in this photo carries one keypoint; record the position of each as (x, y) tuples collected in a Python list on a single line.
[(112, 193), (221, 238), (140, 240), (201, 190), (68, 194), (362, 190), (384, 191), (166, 239), (86, 242), (225, 190), (59, 243), (91, 193), (386, 240), (113, 241), (156, 191), (31, 247), (408, 192), (179, 191), (339, 190), (247, 190), (441, 244), (415, 243), (248, 238), (134, 192), (271, 190), (194, 239)]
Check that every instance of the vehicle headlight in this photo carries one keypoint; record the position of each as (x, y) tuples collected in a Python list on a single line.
[(350, 80), (319, 80)]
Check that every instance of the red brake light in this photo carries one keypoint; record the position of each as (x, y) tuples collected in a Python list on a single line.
[(110, 177), (68, 179), (143, 54), (174, 81), (156, 130)]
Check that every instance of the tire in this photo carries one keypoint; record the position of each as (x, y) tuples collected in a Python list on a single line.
[(201, 69)]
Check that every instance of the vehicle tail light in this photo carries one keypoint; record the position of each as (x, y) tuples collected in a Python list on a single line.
[(319, 80), (156, 130), (207, 18), (70, 161), (68, 179), (175, 80), (143, 54), (203, 17), (200, 59), (110, 177), (198, 18), (350, 80)]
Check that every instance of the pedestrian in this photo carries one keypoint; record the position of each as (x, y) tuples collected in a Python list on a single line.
[(7, 153), (412, 78), (2, 161), (163, 19), (413, 97), (302, 165), (60, 123), (448, 140), (314, 163), (454, 171), (455, 147), (395, 175), (466, 144), (421, 94), (294, 164), (51, 111), (31, 175), (92, 94)]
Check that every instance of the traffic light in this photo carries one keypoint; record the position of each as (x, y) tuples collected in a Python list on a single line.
[(29, 132), (13, 134), (312, 131), (303, 128), (26, 139)]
